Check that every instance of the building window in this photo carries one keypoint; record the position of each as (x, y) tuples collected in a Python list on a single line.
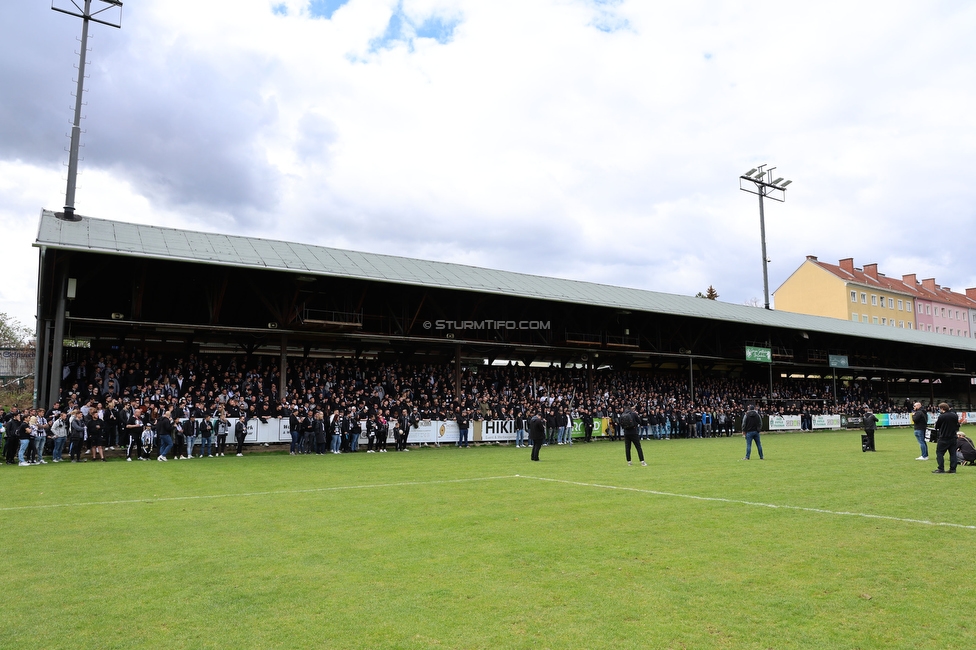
[(864, 298), (874, 300), (884, 321), (957, 314), (853, 296), (909, 324), (875, 320), (901, 304), (864, 318), (943, 314), (854, 317), (928, 328), (928, 309), (901, 324), (891, 303)]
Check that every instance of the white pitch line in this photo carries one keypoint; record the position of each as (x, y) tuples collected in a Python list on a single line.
[(371, 486), (753, 503)]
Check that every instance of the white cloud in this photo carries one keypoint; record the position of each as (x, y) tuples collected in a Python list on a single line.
[(593, 140)]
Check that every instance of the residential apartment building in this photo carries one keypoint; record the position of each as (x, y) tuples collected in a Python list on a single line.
[(864, 295)]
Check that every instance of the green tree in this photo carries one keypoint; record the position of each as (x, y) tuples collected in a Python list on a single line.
[(12, 333)]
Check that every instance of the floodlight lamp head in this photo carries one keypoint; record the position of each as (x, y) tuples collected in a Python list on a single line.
[(778, 181), (750, 172), (786, 183)]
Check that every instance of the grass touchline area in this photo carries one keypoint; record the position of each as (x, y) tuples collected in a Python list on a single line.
[(484, 549), (750, 503)]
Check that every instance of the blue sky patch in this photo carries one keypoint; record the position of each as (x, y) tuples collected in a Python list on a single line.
[(401, 29), (437, 28), (324, 8), (280, 9), (606, 19)]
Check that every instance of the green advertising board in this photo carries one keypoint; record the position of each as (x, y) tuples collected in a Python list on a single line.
[(598, 427), (837, 360), (759, 355)]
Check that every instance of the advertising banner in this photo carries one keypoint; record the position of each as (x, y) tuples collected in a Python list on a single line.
[(784, 422), (826, 422), (493, 430), (16, 363), (899, 419), (435, 432), (598, 428), (258, 431), (760, 355), (837, 360)]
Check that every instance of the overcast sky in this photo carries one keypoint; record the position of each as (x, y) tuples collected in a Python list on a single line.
[(596, 140)]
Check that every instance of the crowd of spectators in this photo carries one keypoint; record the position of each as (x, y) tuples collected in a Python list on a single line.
[(132, 390)]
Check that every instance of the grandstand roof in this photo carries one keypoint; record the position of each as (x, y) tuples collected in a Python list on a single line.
[(119, 238)]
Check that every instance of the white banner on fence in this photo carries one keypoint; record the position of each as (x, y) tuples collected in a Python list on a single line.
[(784, 422), (899, 419), (16, 363), (826, 422), (429, 432), (495, 430)]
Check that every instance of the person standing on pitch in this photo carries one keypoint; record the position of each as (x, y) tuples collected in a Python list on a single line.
[(751, 425), (920, 420), (240, 432), (629, 423), (537, 434), (947, 426), (870, 424)]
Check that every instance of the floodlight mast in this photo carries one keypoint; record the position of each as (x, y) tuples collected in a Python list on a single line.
[(87, 15), (759, 180)]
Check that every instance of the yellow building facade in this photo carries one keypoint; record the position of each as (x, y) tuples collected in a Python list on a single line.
[(843, 291)]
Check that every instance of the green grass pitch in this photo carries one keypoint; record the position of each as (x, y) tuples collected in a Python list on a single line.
[(481, 548)]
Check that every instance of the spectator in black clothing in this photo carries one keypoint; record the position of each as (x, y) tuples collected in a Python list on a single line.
[(920, 420), (537, 434), (629, 423), (751, 426), (965, 449), (240, 432), (947, 426), (870, 423)]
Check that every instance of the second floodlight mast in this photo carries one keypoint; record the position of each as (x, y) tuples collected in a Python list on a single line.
[(759, 180), (87, 15)]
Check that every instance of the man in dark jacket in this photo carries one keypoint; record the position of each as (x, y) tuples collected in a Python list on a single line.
[(947, 426), (240, 433), (629, 423), (165, 430), (870, 422), (537, 434), (751, 425), (920, 420)]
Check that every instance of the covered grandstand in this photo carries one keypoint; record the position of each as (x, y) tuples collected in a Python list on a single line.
[(105, 284)]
